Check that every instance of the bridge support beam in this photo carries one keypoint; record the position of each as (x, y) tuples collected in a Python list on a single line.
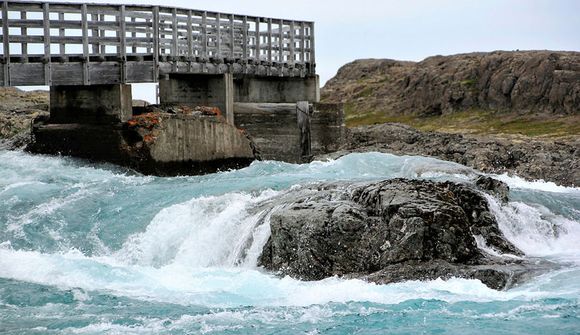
[(199, 90), (95, 104), (253, 89)]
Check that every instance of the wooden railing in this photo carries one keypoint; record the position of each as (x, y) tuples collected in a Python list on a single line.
[(43, 43)]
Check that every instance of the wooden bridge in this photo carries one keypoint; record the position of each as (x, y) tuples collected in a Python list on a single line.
[(54, 44)]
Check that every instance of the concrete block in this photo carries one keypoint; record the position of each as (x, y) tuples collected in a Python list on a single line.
[(255, 89), (215, 90), (95, 104)]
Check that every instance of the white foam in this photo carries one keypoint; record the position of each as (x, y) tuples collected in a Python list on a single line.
[(203, 232), (539, 185), (537, 231)]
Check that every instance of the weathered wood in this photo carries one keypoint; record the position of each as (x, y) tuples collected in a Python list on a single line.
[(166, 38), (123, 42), (156, 42), (291, 58), (6, 43), (85, 28), (47, 68)]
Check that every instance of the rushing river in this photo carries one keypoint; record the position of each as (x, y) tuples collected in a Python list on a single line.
[(95, 249)]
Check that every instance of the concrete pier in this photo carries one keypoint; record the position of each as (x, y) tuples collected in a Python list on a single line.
[(199, 90), (96, 104)]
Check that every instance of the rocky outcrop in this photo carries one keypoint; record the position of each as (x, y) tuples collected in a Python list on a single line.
[(521, 81), (175, 140), (556, 161), (18, 109), (391, 231)]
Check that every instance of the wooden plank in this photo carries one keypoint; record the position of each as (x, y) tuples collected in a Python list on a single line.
[(302, 44), (47, 68), (292, 56), (174, 44), (258, 41), (6, 41), (103, 47), (123, 43), (312, 49), (94, 32), (23, 31), (148, 35), (156, 43), (232, 38), (270, 41), (204, 35), (219, 35), (281, 43), (133, 34), (61, 33), (189, 38), (84, 19)]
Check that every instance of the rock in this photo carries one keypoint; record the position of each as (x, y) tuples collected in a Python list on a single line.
[(494, 187), (558, 161), (390, 231), (524, 81)]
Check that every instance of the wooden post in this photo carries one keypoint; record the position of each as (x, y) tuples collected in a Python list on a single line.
[(312, 49), (270, 41), (94, 33), (103, 47), (47, 67), (232, 37), (204, 35), (156, 43), (23, 32), (174, 36), (86, 58), (6, 41), (148, 35), (189, 40), (245, 40), (61, 34), (123, 43), (281, 44), (292, 57), (258, 40), (219, 35), (302, 43), (133, 34)]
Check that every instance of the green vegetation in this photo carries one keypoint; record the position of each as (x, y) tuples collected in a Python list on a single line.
[(477, 122)]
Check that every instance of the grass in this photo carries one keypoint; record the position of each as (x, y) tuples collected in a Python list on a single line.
[(478, 122)]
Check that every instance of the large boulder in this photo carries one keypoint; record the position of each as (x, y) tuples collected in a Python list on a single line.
[(391, 231)]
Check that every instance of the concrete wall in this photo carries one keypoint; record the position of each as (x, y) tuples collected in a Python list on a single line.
[(274, 129), (199, 90), (251, 89), (184, 138), (327, 128), (95, 104)]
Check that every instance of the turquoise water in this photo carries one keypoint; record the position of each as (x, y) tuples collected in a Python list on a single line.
[(95, 249)]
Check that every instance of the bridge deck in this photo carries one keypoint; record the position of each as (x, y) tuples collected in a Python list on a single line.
[(49, 43)]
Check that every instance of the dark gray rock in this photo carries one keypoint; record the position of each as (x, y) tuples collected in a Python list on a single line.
[(390, 231)]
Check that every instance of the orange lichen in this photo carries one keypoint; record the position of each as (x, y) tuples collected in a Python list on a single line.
[(147, 121)]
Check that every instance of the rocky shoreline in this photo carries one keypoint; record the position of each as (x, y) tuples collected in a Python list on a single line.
[(556, 161)]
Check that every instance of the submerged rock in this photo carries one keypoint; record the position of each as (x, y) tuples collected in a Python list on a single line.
[(390, 231)]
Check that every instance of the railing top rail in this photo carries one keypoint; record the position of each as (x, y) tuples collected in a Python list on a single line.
[(145, 6)]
